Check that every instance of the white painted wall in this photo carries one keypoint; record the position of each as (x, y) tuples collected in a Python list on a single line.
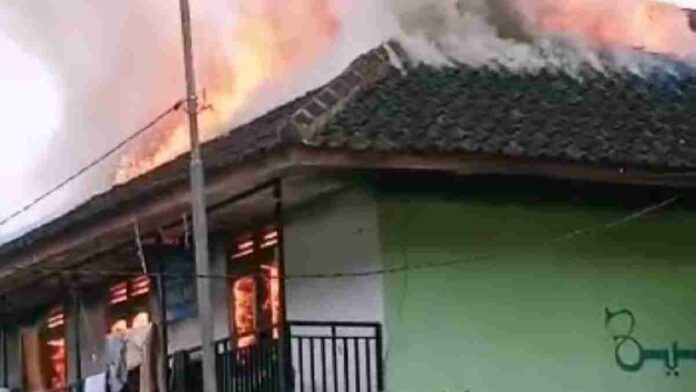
[(337, 233)]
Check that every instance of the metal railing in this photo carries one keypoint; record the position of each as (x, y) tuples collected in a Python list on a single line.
[(336, 356), (253, 368), (323, 357)]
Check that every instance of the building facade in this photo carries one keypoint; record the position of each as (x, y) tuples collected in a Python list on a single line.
[(402, 228)]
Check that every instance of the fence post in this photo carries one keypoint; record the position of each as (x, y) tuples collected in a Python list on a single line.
[(284, 328), (380, 359), (334, 342)]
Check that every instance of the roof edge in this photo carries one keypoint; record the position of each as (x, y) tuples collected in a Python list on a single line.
[(332, 97)]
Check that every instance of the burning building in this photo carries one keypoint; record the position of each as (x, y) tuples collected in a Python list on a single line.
[(401, 227)]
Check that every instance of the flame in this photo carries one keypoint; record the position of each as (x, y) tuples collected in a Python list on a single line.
[(647, 25), (270, 40)]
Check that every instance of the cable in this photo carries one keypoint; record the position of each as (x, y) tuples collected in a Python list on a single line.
[(626, 219), (91, 164), (340, 275)]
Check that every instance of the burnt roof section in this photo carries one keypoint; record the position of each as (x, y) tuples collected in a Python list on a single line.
[(279, 128), (615, 118)]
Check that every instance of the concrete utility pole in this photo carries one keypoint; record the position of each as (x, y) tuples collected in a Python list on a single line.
[(200, 224)]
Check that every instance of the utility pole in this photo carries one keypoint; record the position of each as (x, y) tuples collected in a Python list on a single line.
[(200, 224)]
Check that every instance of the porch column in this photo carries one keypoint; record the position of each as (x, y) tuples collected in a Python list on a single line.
[(284, 342), (162, 315), (75, 310), (4, 356), (3, 332)]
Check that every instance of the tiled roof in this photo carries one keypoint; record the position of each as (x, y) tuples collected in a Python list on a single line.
[(614, 117)]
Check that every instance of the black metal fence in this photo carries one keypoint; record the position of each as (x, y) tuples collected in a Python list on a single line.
[(323, 357), (253, 368), (336, 356)]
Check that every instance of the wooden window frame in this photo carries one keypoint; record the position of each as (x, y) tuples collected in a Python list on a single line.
[(126, 299), (248, 257), (53, 332)]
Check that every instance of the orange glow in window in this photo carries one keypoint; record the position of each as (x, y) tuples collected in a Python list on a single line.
[(139, 286), (129, 305), (255, 296), (118, 293), (56, 320), (272, 303), (57, 356), (54, 350), (245, 310)]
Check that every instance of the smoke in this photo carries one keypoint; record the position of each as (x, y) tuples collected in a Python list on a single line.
[(530, 34), (480, 32), (83, 59)]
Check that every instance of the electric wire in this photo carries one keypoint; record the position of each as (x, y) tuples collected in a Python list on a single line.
[(355, 274), (91, 164)]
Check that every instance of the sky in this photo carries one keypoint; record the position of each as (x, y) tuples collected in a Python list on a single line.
[(31, 113), (30, 104)]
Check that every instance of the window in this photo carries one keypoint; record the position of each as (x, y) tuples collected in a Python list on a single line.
[(255, 307), (53, 349), (129, 304)]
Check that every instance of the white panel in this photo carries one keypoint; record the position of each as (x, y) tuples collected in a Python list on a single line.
[(338, 233)]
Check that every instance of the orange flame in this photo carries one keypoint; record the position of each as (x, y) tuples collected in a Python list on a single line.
[(646, 25), (271, 39)]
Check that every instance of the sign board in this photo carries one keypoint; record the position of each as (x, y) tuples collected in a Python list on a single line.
[(179, 285)]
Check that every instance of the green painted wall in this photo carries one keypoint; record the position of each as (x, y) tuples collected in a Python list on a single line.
[(530, 316)]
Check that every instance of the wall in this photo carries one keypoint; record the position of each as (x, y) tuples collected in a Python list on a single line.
[(337, 233), (517, 312)]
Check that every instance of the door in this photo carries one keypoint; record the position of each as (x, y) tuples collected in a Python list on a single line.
[(254, 289), (255, 312)]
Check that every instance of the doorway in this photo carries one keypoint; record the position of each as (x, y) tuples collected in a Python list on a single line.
[(254, 288)]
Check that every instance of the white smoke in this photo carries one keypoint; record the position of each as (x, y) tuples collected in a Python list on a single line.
[(500, 33), (439, 32)]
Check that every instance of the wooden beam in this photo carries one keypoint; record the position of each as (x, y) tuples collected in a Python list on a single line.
[(115, 232), (64, 250), (465, 164)]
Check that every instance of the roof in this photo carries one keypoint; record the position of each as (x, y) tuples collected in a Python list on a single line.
[(616, 118), (610, 117)]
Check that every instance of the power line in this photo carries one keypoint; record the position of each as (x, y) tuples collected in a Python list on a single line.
[(383, 271), (91, 164), (624, 220)]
